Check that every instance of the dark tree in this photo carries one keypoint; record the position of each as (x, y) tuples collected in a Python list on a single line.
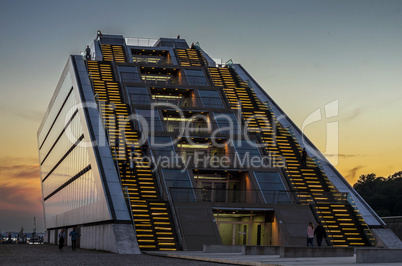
[(382, 194)]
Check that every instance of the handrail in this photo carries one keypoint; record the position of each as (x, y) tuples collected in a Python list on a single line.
[(239, 68), (183, 101), (190, 126), (98, 104), (208, 158), (366, 230), (138, 41), (318, 163), (160, 79), (226, 195), (251, 196), (323, 222), (152, 60), (128, 203)]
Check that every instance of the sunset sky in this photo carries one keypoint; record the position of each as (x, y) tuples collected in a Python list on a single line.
[(304, 53)]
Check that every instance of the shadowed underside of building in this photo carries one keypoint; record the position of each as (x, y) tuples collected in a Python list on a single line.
[(152, 145)]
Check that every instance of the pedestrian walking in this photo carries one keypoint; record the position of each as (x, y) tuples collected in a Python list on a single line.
[(320, 233), (74, 235), (62, 235), (310, 234)]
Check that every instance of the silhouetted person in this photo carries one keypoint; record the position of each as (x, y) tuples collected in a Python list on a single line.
[(320, 233), (192, 46), (74, 235), (88, 53), (304, 157), (62, 235), (132, 167), (310, 234), (144, 149), (116, 145), (178, 36), (123, 169)]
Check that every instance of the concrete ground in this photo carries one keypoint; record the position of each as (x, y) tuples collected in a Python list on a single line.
[(13, 254), (46, 254), (263, 260)]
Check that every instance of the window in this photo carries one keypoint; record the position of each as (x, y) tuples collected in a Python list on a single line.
[(210, 99), (227, 123), (272, 187), (138, 95), (162, 146), (244, 147), (196, 77), (178, 184), (151, 117), (129, 74)]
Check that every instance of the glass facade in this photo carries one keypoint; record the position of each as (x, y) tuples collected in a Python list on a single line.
[(196, 77), (129, 74), (272, 187), (152, 118), (210, 99), (68, 180), (58, 101), (138, 95), (204, 146), (178, 183), (227, 123)]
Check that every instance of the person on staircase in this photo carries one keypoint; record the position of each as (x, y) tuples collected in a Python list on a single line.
[(304, 158), (144, 149), (88, 53)]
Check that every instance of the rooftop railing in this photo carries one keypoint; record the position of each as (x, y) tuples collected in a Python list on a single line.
[(216, 195), (136, 41), (190, 127), (152, 60), (183, 101), (160, 79)]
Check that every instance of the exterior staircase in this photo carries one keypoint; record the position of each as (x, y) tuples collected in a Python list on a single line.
[(153, 224), (343, 223)]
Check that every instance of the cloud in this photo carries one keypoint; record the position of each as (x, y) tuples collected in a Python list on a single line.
[(342, 155), (353, 114), (351, 174), (25, 113), (20, 186), (20, 191), (19, 171)]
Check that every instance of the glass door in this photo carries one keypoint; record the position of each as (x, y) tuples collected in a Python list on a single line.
[(240, 234)]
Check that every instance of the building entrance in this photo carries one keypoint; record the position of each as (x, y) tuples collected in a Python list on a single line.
[(244, 227)]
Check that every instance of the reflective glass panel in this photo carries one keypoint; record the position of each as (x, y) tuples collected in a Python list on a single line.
[(272, 187), (210, 99)]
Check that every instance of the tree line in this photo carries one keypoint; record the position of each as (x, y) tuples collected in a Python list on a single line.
[(384, 195)]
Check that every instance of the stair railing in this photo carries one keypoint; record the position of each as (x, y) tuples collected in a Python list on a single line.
[(128, 203), (165, 195), (366, 229), (313, 207)]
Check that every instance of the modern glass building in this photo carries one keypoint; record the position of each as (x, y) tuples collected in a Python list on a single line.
[(152, 145)]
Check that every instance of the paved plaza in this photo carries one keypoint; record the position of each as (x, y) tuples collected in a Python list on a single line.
[(13, 254), (46, 254), (266, 260)]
